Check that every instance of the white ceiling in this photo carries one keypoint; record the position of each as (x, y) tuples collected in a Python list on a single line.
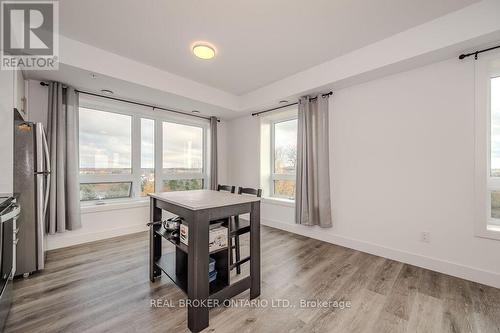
[(258, 42)]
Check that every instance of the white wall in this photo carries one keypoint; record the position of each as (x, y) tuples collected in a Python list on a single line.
[(6, 131), (37, 102), (222, 157), (243, 149), (402, 159), (101, 222)]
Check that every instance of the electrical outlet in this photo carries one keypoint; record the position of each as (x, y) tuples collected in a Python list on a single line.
[(425, 237)]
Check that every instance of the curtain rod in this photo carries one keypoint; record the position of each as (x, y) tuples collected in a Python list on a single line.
[(285, 106), (136, 103), (475, 53)]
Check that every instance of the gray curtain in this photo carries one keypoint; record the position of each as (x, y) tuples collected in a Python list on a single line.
[(312, 201), (62, 135), (213, 153)]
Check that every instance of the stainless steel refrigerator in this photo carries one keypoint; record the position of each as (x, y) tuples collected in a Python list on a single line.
[(32, 183)]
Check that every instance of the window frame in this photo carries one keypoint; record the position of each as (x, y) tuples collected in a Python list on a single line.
[(137, 113), (486, 68), (278, 176), (139, 159), (493, 183)]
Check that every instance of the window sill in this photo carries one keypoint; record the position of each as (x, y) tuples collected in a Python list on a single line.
[(492, 232), (279, 201), (92, 207)]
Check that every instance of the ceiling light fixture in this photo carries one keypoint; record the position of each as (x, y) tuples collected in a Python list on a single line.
[(203, 51), (195, 111), (283, 101), (107, 92)]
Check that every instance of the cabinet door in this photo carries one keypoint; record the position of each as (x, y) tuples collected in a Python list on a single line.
[(19, 93), (6, 130)]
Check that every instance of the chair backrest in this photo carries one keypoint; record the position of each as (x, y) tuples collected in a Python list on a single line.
[(251, 191), (227, 188)]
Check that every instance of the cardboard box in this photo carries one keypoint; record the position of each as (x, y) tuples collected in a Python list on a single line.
[(184, 234), (217, 238)]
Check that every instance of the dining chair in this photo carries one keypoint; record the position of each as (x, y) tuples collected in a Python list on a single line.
[(226, 188), (239, 228)]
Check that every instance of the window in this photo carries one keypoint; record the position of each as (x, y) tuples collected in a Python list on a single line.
[(487, 146), (105, 143), (105, 155), (284, 158), (102, 191), (182, 157), (494, 169), (147, 156), (128, 153)]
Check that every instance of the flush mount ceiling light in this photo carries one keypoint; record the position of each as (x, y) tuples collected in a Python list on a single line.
[(203, 51), (107, 92)]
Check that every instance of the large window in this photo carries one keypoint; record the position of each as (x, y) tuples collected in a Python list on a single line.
[(121, 153), (182, 157), (284, 158)]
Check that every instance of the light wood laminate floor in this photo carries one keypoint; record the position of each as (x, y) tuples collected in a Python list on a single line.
[(104, 287)]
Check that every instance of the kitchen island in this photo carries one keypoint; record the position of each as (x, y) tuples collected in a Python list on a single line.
[(188, 266)]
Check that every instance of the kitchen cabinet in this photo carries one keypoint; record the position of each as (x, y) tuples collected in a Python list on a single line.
[(19, 97)]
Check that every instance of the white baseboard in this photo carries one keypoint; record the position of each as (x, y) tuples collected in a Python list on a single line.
[(73, 238), (438, 265)]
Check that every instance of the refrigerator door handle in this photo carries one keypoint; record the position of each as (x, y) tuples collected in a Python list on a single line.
[(15, 211), (47, 163)]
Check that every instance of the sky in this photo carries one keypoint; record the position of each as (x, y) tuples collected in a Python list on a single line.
[(105, 139), (105, 142), (495, 123), (182, 146), (147, 143)]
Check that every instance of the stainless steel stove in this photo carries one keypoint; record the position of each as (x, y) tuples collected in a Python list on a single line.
[(9, 213)]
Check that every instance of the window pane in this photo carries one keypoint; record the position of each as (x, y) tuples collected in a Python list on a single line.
[(284, 188), (147, 156), (105, 142), (182, 148), (285, 147), (495, 127), (100, 191), (495, 204), (182, 185)]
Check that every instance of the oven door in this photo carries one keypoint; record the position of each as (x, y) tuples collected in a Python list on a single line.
[(7, 236)]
